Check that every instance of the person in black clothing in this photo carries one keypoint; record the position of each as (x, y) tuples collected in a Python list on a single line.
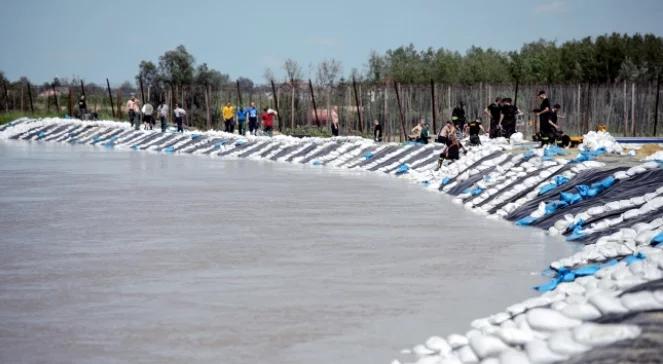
[(494, 110), (507, 123), (458, 116), (451, 152), (377, 131), (82, 107), (473, 129), (546, 129)]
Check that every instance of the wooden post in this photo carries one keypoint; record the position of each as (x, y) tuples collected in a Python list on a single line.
[(55, 96), (658, 94), (315, 107), (400, 110), (354, 86), (625, 112), (119, 104), (142, 93), (432, 95), (292, 104), (110, 96), (633, 108), (386, 125), (4, 85), (239, 94), (276, 105), (70, 103), (82, 88), (208, 95), (32, 108)]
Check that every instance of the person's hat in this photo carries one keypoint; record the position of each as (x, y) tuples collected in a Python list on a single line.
[(541, 93)]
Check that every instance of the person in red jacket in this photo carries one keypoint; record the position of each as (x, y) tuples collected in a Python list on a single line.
[(267, 118)]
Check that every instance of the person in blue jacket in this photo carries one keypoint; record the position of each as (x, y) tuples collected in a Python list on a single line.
[(241, 119), (252, 113)]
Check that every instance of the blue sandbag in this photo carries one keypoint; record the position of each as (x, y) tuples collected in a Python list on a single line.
[(560, 180), (583, 190), (570, 198), (445, 181), (658, 238), (529, 154), (41, 135), (547, 188), (576, 234), (587, 270), (402, 169), (368, 155), (548, 286), (527, 220), (196, 136), (476, 191), (316, 162), (553, 206), (168, 150), (634, 258)]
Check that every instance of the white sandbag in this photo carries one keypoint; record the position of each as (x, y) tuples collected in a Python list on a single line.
[(512, 356), (636, 170), (421, 351), (562, 342), (641, 301), (450, 360), (456, 340), (539, 353), (549, 320), (592, 334), (581, 311), (466, 355), (429, 360), (514, 336), (438, 345), (487, 345)]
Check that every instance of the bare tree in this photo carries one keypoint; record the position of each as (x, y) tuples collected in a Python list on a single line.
[(294, 73), (328, 71)]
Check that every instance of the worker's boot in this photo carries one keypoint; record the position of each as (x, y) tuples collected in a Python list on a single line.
[(439, 164)]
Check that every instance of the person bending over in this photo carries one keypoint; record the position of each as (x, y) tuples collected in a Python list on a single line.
[(474, 129), (451, 152), (443, 135)]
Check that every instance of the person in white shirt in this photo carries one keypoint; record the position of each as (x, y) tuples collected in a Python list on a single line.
[(162, 112), (148, 119), (180, 114)]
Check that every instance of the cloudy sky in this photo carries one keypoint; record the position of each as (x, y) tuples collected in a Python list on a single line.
[(99, 39)]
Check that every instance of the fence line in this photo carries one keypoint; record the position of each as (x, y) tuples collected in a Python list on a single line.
[(626, 108)]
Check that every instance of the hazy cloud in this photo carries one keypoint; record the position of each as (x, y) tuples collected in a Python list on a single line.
[(551, 7)]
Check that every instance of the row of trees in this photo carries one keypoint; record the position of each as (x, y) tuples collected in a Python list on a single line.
[(616, 61), (604, 59)]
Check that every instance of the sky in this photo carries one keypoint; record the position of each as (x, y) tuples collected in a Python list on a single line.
[(95, 40)]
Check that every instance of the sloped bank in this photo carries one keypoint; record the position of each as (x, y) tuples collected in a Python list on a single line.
[(610, 291)]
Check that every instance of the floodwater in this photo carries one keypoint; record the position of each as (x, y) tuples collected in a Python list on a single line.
[(116, 256)]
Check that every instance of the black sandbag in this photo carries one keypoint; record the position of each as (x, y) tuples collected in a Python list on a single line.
[(59, 129), (584, 177), (349, 150), (473, 165), (395, 158), (236, 148), (207, 144), (359, 157), (637, 185), (425, 162), (285, 151), (470, 181), (257, 146), (591, 238), (191, 142), (412, 159), (158, 141), (106, 137), (321, 152), (272, 148), (646, 348), (302, 152), (516, 182), (376, 155)]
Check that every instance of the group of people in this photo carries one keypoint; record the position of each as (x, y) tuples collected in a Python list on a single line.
[(241, 114), (146, 114)]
